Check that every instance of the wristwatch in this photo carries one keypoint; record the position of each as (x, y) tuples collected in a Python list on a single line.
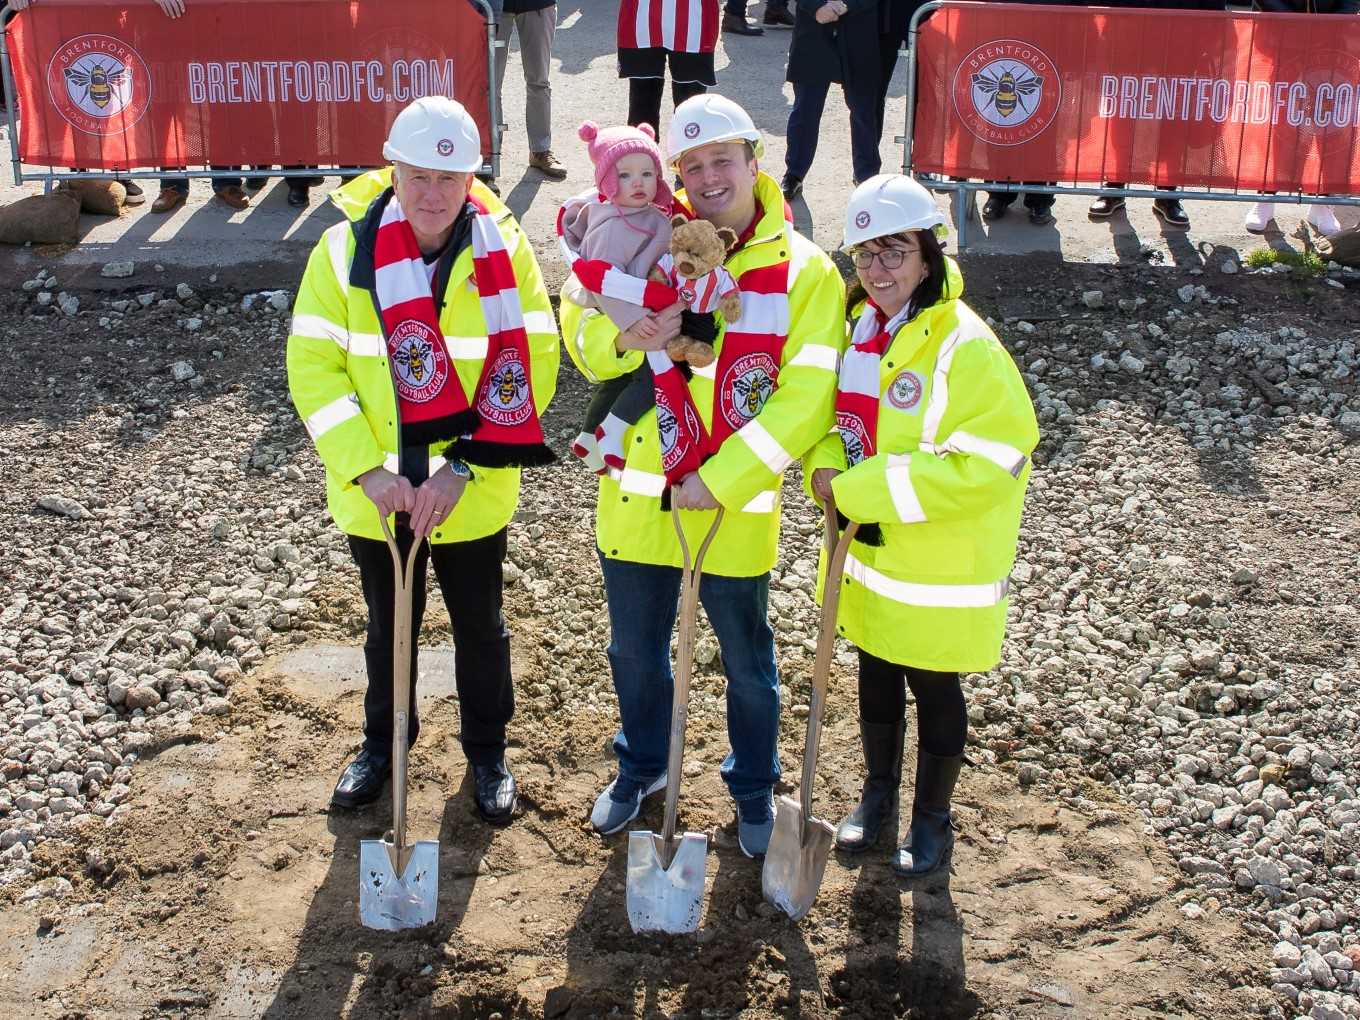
[(461, 469)]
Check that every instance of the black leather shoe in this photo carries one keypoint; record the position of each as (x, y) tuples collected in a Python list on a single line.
[(791, 186), (298, 197), (1171, 212), (1041, 215), (362, 781), (494, 792), (1104, 207), (736, 24), (995, 208), (777, 16)]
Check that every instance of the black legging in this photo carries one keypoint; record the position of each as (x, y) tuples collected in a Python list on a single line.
[(644, 99), (941, 715)]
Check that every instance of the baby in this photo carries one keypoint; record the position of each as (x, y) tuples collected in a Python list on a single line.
[(625, 223)]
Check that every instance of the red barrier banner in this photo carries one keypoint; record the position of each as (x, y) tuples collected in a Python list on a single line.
[(1190, 98), (237, 82)]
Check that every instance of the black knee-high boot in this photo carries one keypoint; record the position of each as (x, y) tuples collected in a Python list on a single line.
[(932, 831), (883, 762)]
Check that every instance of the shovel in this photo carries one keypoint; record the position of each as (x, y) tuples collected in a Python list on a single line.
[(800, 843), (666, 873), (399, 882)]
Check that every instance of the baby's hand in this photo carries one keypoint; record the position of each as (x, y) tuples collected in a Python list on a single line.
[(645, 327)]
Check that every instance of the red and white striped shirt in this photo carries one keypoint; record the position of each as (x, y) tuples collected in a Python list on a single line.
[(703, 294), (685, 26)]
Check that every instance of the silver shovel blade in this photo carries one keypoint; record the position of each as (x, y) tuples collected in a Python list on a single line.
[(666, 899), (389, 901), (793, 871)]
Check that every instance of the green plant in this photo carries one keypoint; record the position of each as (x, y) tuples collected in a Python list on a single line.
[(1305, 263)]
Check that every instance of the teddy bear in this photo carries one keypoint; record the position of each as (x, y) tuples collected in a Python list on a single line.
[(694, 267)]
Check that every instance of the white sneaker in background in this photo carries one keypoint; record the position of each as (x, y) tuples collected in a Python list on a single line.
[(1322, 217), (1259, 217)]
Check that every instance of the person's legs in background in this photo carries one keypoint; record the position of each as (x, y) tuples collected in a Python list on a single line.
[(644, 102), (537, 30), (865, 130), (777, 14), (805, 118)]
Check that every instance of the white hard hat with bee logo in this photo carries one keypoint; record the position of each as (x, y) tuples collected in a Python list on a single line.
[(890, 204)]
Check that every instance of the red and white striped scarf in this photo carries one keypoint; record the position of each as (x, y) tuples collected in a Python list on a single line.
[(501, 427), (683, 26), (747, 370), (857, 391)]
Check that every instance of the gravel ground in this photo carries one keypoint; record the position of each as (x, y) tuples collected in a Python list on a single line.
[(1183, 630)]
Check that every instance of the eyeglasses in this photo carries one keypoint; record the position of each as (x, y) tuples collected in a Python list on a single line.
[(891, 258)]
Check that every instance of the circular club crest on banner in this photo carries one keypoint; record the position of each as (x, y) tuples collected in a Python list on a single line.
[(421, 367), (99, 84), (1007, 91), (853, 435), (506, 398), (746, 386)]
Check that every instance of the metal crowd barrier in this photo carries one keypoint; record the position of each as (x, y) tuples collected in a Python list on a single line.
[(965, 191), (491, 165)]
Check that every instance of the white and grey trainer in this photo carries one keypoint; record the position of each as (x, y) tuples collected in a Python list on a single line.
[(621, 801)]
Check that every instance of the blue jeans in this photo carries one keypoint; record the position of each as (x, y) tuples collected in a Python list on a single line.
[(643, 603)]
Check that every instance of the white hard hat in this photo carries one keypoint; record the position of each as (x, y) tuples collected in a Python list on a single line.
[(435, 133), (890, 204), (703, 119)]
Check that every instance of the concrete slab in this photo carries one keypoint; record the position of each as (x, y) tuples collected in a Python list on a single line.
[(328, 672), (266, 244)]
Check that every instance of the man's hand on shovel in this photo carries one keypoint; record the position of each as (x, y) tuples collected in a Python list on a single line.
[(435, 500), (390, 493)]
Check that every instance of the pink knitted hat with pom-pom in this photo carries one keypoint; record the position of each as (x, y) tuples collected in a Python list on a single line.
[(609, 145)]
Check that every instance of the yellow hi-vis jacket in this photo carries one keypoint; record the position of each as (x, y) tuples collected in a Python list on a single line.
[(744, 474), (341, 382), (947, 484)]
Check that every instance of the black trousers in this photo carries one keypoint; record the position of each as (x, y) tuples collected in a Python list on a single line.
[(941, 714), (1033, 199), (805, 125), (470, 579), (644, 98)]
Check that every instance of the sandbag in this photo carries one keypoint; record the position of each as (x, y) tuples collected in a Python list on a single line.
[(41, 219), (1342, 247), (103, 198)]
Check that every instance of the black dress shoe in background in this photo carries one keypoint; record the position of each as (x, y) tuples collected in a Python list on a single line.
[(1171, 212), (736, 24), (777, 16), (791, 186), (362, 781), (494, 793)]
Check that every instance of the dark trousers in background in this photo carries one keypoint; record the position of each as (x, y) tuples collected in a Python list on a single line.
[(644, 99), (941, 714), (470, 579), (1033, 200), (181, 184), (805, 120)]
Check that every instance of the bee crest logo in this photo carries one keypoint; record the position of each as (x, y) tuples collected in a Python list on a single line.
[(505, 399), (1007, 91), (99, 84), (418, 363)]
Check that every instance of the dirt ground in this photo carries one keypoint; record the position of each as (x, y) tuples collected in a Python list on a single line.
[(227, 890), (230, 892)]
